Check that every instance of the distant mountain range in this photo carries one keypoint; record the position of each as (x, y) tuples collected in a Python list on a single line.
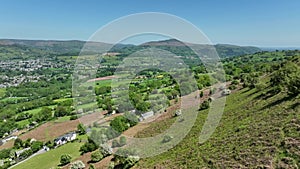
[(224, 50), (75, 46)]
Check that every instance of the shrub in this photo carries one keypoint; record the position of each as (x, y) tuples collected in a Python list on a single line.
[(18, 143), (111, 165), (260, 86), (88, 147), (74, 117), (77, 165), (65, 159), (81, 129), (126, 158), (96, 156), (201, 94), (122, 141), (131, 118), (4, 153), (105, 149), (115, 143), (92, 166), (129, 162), (204, 105), (235, 82), (60, 111), (167, 138), (294, 86), (200, 86), (232, 87), (50, 144), (36, 146), (125, 152), (119, 124)]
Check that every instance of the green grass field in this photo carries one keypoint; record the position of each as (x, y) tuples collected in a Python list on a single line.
[(103, 82), (88, 105), (51, 158), (23, 123), (62, 119), (33, 111)]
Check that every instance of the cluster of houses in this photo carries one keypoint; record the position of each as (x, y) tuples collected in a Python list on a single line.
[(26, 66)]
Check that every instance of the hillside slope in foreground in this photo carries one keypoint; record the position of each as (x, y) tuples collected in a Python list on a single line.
[(257, 130)]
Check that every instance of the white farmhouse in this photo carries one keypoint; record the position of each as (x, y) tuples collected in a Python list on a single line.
[(65, 138)]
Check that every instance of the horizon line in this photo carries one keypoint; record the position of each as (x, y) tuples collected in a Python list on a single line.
[(81, 40)]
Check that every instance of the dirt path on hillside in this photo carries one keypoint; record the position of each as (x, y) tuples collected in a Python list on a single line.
[(102, 78)]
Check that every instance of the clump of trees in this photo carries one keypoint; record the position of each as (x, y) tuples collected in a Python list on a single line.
[(105, 149), (61, 111), (249, 80), (81, 129), (65, 159), (88, 146), (96, 156), (44, 115), (36, 146), (122, 141), (5, 153), (125, 158), (18, 143), (122, 123), (287, 78)]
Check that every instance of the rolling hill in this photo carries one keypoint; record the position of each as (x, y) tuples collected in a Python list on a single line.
[(13, 47), (224, 50), (253, 133)]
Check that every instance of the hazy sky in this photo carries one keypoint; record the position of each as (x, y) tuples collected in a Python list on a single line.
[(242, 22)]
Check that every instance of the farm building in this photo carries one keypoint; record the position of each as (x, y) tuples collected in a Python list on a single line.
[(6, 139), (17, 153), (147, 115), (65, 138)]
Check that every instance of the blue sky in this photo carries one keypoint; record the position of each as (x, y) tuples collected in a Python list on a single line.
[(243, 22)]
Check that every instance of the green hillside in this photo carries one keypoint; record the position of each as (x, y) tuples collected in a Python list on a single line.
[(254, 132), (259, 129)]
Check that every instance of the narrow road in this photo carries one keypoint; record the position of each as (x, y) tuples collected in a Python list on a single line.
[(37, 153)]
